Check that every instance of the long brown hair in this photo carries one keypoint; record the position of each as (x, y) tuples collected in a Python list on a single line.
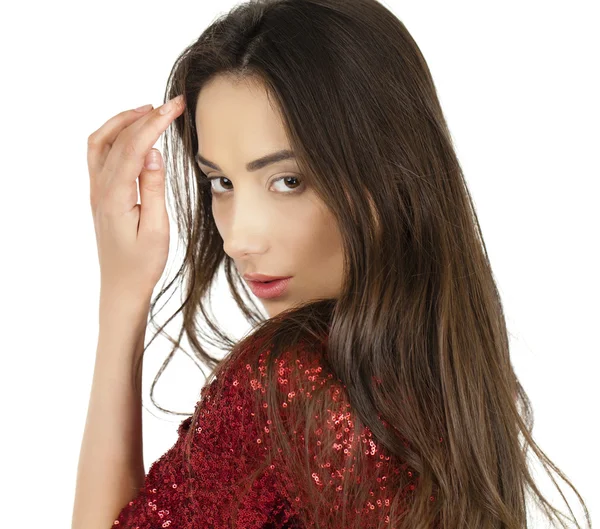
[(424, 344)]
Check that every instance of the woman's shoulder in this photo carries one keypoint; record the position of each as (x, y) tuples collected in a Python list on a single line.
[(299, 371), (299, 378), (305, 361), (310, 408)]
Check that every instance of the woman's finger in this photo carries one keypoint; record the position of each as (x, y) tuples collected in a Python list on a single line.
[(153, 211), (126, 157), (101, 140)]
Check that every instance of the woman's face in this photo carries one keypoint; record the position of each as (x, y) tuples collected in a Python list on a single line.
[(270, 225)]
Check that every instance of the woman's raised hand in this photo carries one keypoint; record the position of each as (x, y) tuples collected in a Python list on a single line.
[(132, 238)]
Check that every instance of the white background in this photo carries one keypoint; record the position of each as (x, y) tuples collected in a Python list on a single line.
[(518, 82)]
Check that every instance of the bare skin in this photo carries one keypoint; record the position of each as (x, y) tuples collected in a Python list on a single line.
[(133, 242), (265, 228)]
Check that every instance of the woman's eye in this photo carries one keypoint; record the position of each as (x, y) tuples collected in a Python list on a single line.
[(290, 183), (287, 181), (217, 178)]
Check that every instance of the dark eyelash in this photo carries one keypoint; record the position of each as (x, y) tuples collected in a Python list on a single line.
[(203, 178)]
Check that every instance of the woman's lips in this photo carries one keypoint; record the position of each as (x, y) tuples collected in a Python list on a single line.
[(268, 290)]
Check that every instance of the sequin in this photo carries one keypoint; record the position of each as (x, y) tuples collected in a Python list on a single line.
[(228, 444)]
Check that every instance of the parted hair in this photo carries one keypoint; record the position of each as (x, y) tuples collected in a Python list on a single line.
[(418, 334)]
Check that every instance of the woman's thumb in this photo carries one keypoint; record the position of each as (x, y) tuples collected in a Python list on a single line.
[(153, 217)]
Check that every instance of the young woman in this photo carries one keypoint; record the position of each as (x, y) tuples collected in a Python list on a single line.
[(308, 145)]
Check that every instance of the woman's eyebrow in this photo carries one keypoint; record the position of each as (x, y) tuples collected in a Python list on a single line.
[(255, 165)]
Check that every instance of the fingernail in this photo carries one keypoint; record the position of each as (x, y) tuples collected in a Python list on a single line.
[(170, 105), (153, 160), (143, 108)]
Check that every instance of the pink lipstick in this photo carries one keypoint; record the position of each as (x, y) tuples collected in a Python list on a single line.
[(268, 286)]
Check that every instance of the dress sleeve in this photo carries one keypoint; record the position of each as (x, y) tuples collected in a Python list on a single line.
[(225, 447)]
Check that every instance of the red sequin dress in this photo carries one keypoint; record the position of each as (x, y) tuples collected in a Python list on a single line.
[(228, 444)]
